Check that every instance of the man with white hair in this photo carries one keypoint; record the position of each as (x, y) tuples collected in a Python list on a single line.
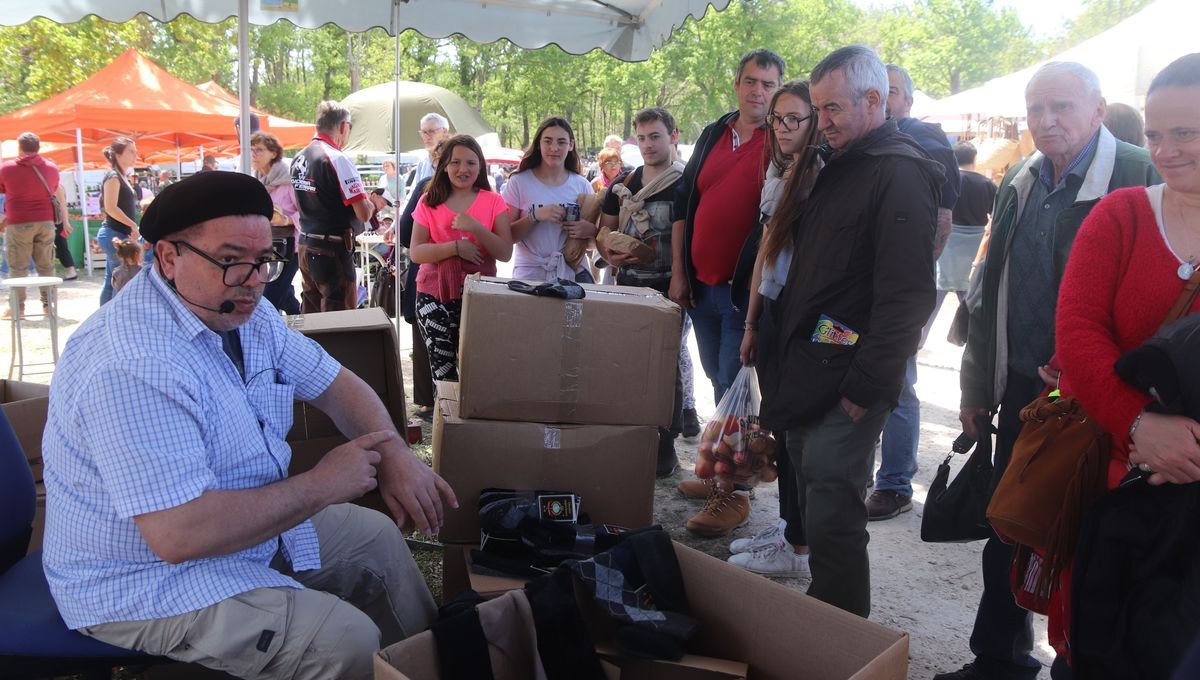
[(1007, 361), (859, 288), (434, 128)]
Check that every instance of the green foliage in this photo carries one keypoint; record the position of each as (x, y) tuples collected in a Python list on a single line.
[(1099, 16), (947, 46)]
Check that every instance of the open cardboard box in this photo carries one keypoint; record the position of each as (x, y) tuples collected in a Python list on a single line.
[(610, 358), (457, 575), (364, 342), (611, 467), (781, 633)]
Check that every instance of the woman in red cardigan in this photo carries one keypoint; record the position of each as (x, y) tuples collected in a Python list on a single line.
[(1128, 266)]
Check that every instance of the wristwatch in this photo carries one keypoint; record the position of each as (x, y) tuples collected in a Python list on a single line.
[(750, 325)]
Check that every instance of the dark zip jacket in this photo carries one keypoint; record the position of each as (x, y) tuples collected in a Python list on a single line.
[(863, 258), (740, 291)]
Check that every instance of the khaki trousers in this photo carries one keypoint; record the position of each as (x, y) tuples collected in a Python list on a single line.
[(367, 592), (26, 239)]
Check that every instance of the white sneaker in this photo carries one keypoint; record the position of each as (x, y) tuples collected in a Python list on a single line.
[(767, 536), (775, 559)]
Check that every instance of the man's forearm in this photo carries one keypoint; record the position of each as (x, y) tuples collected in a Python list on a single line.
[(354, 406), (942, 235), (225, 521)]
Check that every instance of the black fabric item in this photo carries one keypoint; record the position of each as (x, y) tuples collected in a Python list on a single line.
[(204, 196), (957, 512), (562, 288), (638, 584), (957, 335), (1165, 367), (1136, 582), (465, 601), (491, 564), (462, 648), (564, 643)]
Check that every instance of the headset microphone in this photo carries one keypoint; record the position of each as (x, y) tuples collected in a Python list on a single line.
[(226, 307)]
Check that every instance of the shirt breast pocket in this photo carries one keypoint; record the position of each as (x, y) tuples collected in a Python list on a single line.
[(274, 403)]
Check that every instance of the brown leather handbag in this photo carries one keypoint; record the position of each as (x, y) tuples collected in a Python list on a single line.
[(1059, 465)]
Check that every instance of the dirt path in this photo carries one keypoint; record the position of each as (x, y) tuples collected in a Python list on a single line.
[(928, 590)]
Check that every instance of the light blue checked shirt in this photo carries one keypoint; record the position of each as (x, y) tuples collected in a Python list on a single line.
[(147, 412)]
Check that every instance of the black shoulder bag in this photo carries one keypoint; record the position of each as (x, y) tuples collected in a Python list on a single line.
[(956, 512)]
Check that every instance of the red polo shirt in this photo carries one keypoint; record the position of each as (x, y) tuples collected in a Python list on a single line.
[(25, 199), (730, 185)]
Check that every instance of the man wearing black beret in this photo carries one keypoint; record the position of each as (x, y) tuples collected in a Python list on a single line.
[(172, 525)]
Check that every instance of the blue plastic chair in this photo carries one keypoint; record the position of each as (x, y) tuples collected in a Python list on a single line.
[(34, 640)]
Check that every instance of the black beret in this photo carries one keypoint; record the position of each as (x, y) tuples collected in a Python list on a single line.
[(204, 196)]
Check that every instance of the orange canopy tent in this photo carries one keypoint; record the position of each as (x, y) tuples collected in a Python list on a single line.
[(137, 98)]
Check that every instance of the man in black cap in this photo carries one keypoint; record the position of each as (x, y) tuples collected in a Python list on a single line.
[(172, 525)]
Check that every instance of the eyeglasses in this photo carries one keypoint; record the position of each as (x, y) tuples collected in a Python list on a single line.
[(791, 121), (257, 149), (238, 273), (611, 163), (430, 133)]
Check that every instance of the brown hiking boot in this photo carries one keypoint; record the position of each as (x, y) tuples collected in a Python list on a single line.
[(724, 512), (698, 489), (886, 505)]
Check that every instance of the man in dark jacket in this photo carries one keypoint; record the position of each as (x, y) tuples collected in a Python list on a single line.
[(858, 291), (1039, 208), (902, 434)]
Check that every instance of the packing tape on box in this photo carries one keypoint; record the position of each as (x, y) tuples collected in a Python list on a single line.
[(551, 438), (572, 348)]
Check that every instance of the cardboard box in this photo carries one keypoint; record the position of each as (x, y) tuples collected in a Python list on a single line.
[(25, 405), (364, 342), (609, 359), (610, 466), (457, 575), (781, 633)]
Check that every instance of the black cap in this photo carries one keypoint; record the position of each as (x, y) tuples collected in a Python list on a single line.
[(201, 197)]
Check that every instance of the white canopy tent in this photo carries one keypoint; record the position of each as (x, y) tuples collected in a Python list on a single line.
[(1125, 57), (626, 29)]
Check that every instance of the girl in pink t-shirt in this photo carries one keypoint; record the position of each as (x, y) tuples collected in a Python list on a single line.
[(460, 227)]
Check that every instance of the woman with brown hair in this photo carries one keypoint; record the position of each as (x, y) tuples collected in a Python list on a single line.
[(266, 160), (792, 142), (548, 177), (460, 227), (118, 201)]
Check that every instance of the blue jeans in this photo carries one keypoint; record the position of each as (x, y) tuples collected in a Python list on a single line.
[(901, 436), (718, 335), (280, 291), (105, 238)]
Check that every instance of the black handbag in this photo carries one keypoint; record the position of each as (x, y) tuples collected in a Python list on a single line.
[(956, 512)]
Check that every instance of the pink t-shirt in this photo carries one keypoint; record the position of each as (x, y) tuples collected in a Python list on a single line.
[(432, 280)]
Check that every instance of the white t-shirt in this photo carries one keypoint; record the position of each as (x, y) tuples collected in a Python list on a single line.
[(538, 256)]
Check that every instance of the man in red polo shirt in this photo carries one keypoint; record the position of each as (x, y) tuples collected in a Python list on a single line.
[(718, 243), (29, 212)]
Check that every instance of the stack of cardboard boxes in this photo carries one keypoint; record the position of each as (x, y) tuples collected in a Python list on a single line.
[(555, 394)]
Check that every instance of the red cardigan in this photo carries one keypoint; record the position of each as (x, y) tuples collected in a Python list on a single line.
[(1119, 285)]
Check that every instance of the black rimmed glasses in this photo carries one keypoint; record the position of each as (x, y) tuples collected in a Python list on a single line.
[(237, 274), (791, 122)]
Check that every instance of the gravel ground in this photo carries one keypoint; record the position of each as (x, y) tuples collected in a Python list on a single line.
[(929, 590)]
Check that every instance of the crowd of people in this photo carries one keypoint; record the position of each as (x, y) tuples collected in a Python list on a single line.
[(812, 234)]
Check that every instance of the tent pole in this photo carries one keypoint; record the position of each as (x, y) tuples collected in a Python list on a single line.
[(244, 84), (87, 238), (396, 155)]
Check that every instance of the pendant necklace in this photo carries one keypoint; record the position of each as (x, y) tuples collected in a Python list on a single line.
[(1187, 269)]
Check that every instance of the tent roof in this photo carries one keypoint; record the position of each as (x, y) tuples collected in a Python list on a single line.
[(135, 97), (626, 29), (1126, 58)]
